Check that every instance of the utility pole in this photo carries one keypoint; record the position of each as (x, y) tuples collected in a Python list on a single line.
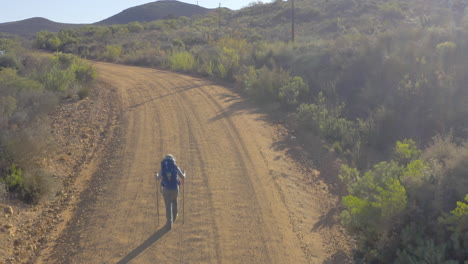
[(293, 20), (219, 16)]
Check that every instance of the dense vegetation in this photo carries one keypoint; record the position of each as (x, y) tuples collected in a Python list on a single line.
[(32, 85), (383, 82)]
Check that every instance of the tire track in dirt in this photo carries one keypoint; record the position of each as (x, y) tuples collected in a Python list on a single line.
[(246, 228), (245, 161), (186, 130)]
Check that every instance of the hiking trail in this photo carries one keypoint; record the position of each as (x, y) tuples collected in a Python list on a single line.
[(246, 200)]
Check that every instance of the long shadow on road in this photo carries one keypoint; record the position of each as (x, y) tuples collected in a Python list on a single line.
[(150, 241)]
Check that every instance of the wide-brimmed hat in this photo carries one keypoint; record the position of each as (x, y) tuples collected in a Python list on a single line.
[(170, 156)]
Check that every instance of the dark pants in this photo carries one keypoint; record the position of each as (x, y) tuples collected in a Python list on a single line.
[(170, 199)]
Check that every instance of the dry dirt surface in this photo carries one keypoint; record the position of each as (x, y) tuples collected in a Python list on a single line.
[(245, 199)]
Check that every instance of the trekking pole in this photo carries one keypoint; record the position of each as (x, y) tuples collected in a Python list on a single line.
[(157, 194), (183, 202)]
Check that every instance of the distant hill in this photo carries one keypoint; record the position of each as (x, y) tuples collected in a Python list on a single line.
[(154, 11), (143, 13), (31, 26)]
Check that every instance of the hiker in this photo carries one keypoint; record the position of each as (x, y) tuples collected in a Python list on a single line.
[(170, 186)]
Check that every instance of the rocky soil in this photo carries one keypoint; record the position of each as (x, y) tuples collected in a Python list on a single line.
[(79, 129)]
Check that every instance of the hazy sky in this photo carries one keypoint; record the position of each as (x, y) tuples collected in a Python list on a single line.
[(88, 11)]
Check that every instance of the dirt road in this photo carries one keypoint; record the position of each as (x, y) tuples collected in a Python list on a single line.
[(246, 201)]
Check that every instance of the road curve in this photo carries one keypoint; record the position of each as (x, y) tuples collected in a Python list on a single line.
[(243, 203)]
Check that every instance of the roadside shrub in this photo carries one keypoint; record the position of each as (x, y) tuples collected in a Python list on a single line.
[(228, 63), (112, 52), (326, 122), (205, 57), (65, 61), (57, 79), (263, 85), (14, 178), (373, 208), (181, 61), (292, 90), (9, 61), (411, 208), (84, 73), (11, 83)]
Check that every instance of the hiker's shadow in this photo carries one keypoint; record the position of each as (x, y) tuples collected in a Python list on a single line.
[(150, 241)]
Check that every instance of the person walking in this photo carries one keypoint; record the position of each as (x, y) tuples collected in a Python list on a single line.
[(170, 182)]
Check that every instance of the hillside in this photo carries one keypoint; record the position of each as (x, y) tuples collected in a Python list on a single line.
[(154, 11), (31, 26), (333, 18), (143, 13)]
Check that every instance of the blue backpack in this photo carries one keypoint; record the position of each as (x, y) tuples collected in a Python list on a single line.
[(169, 171)]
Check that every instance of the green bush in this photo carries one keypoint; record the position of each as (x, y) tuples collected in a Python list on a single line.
[(181, 61), (11, 83), (348, 175), (407, 151), (8, 44), (84, 73), (292, 90), (374, 206), (112, 53), (228, 63), (57, 79), (263, 85), (326, 122), (9, 61), (14, 178)]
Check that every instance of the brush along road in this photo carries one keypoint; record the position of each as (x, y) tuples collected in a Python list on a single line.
[(246, 201)]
